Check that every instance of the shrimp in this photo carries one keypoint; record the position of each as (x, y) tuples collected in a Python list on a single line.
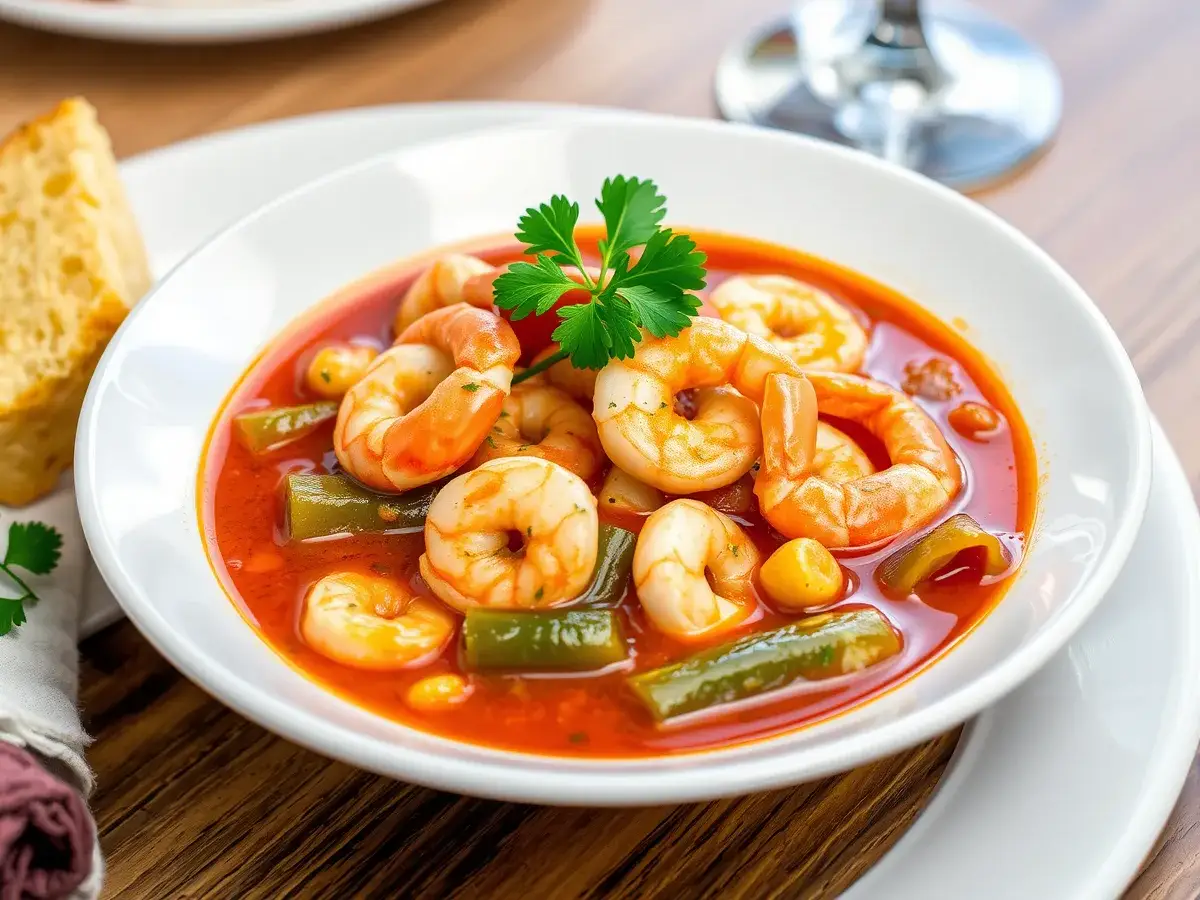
[(802, 322), (800, 502), (693, 569), (643, 433), (424, 406), (838, 458), (468, 561), (579, 383), (373, 623), (544, 422), (453, 278)]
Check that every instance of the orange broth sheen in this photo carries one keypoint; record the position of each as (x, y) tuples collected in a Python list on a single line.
[(595, 714)]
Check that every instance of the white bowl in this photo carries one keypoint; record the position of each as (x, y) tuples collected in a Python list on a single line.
[(174, 361)]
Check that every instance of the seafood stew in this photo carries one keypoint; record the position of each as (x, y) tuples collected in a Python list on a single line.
[(777, 492)]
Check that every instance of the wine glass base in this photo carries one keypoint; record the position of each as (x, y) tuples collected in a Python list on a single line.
[(995, 102)]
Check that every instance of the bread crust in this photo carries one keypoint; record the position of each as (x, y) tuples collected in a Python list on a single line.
[(60, 166)]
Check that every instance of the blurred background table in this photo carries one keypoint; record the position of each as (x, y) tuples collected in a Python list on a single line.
[(196, 801)]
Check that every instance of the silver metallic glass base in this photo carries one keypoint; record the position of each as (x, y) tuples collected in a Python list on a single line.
[(966, 102)]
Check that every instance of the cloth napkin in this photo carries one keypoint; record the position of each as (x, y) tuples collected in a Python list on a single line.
[(48, 846)]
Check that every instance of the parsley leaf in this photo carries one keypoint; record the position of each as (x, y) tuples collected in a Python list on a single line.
[(36, 548), (533, 288), (660, 314), (632, 209), (622, 322), (584, 330), (33, 546), (12, 614), (550, 228), (670, 263), (650, 294)]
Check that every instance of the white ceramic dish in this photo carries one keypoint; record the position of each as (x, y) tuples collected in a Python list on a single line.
[(1087, 746), (197, 21), (173, 362)]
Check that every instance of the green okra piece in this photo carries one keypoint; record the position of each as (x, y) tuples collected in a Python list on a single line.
[(811, 649), (321, 505), (564, 640), (263, 430)]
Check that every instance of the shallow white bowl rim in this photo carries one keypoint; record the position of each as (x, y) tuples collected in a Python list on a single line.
[(610, 782)]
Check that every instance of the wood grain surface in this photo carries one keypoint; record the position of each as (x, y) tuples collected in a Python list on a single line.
[(195, 801)]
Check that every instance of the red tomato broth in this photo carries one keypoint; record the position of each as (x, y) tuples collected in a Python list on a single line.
[(595, 714)]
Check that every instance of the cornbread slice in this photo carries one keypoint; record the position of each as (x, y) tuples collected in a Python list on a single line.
[(71, 265)]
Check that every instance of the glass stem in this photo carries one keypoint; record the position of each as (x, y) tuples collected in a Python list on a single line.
[(899, 25), (896, 48)]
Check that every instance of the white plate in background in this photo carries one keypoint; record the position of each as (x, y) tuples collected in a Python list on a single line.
[(197, 21), (1057, 791)]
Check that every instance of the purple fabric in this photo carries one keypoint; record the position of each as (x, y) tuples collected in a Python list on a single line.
[(46, 836)]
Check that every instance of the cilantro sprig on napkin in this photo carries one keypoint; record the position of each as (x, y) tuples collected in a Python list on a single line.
[(35, 548), (626, 296)]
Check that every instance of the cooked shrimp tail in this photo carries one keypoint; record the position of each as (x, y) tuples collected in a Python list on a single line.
[(453, 278), (424, 406), (375, 623), (801, 501), (805, 324), (468, 561), (693, 570), (644, 434), (545, 422)]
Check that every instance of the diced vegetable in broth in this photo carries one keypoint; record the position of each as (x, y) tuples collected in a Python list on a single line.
[(812, 649), (906, 568), (614, 562), (571, 640), (322, 505), (264, 430)]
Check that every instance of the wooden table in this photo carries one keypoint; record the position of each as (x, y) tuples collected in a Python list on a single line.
[(196, 801)]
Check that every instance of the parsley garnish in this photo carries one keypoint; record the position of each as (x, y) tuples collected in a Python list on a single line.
[(34, 547), (626, 297), (470, 387)]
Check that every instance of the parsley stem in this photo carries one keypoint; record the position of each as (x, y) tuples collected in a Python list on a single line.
[(539, 367), (18, 582), (603, 269), (587, 279)]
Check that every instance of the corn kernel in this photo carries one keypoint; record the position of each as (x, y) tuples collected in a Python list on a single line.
[(438, 693), (334, 370), (801, 574)]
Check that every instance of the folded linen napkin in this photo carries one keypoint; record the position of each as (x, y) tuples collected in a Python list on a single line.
[(48, 846)]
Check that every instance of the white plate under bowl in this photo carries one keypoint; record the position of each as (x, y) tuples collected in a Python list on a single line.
[(1059, 790), (173, 362), (197, 21)]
